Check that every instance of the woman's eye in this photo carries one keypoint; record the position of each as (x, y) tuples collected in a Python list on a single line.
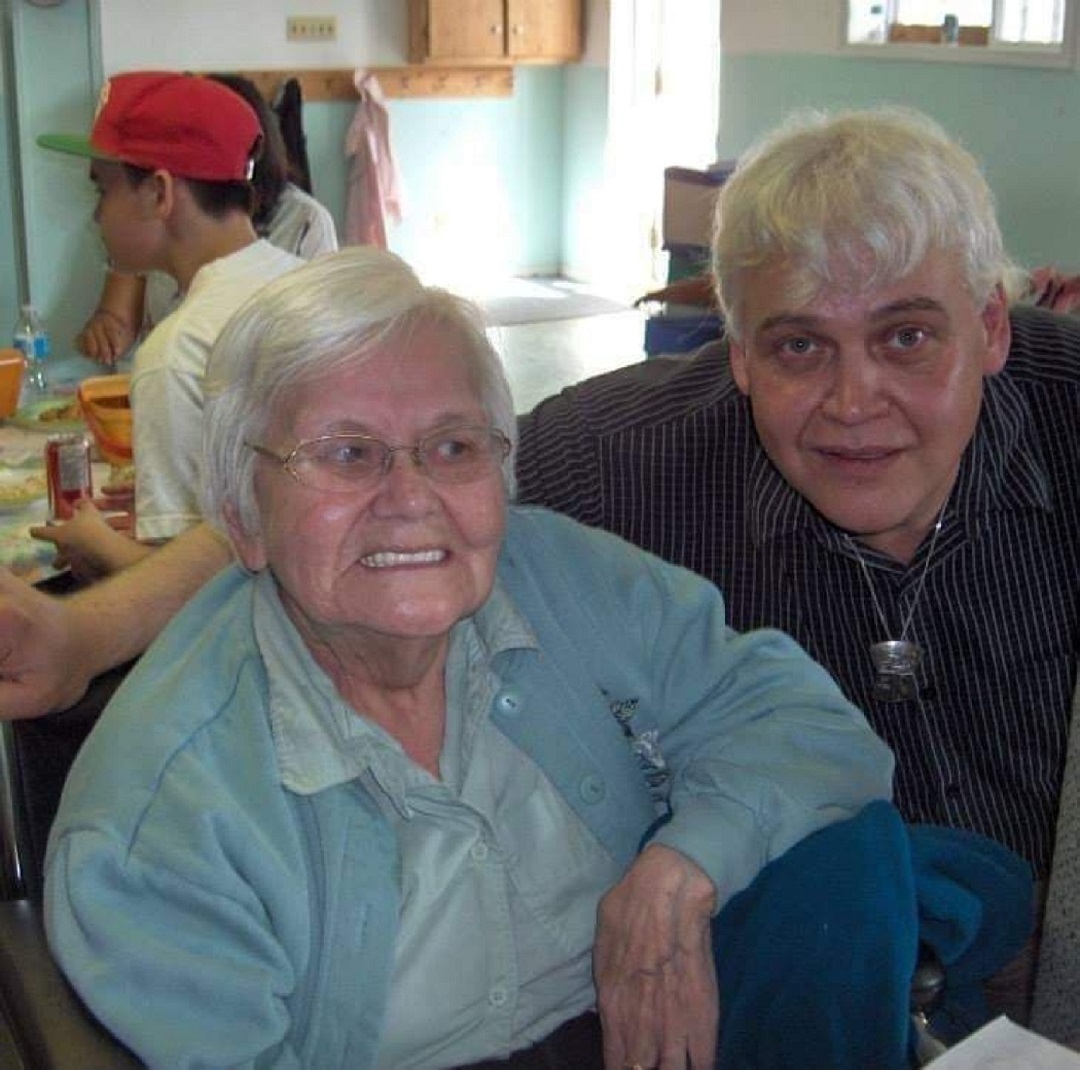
[(453, 448), (349, 454)]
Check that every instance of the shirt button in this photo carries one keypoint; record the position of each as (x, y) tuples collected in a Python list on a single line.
[(497, 996), (591, 788), (508, 704), (479, 851)]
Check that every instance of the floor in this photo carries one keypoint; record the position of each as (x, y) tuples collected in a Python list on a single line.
[(541, 358)]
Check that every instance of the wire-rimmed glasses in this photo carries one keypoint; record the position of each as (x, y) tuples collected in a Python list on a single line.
[(340, 463)]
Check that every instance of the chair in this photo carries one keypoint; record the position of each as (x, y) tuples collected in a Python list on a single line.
[(43, 1023)]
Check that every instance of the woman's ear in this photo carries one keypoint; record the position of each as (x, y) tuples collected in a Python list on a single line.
[(248, 547)]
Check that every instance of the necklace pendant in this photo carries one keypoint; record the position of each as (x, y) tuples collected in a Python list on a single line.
[(896, 661)]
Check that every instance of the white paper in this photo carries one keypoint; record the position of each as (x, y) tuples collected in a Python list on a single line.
[(1003, 1043)]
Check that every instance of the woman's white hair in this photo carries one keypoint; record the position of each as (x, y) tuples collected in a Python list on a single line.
[(855, 201), (333, 312)]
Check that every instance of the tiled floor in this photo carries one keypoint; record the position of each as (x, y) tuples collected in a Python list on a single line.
[(541, 358)]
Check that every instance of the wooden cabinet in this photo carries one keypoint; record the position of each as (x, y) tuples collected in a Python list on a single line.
[(494, 31)]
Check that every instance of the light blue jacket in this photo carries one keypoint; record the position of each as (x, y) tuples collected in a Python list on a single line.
[(211, 918)]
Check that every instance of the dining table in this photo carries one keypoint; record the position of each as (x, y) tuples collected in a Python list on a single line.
[(23, 485)]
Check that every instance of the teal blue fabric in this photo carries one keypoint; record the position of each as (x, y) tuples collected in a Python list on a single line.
[(975, 911), (815, 958)]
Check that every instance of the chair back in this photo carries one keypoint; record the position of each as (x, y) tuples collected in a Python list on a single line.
[(43, 1023), (35, 756)]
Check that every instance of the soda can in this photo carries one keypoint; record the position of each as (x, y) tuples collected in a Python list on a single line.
[(67, 469)]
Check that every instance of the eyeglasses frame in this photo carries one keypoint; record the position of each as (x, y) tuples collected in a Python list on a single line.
[(285, 460)]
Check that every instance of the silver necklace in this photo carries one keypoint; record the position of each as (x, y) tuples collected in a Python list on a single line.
[(896, 660)]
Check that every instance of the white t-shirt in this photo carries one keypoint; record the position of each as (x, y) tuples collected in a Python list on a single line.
[(167, 387), (300, 225)]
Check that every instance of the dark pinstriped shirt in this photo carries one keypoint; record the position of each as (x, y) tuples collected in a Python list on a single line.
[(664, 453)]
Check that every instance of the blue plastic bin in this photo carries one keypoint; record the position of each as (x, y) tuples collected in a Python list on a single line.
[(680, 334)]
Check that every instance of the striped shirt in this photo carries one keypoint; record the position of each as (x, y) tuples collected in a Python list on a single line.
[(664, 453)]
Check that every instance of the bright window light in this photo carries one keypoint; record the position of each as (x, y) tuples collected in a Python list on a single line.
[(1007, 22)]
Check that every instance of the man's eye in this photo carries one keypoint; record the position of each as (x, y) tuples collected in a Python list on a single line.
[(908, 337), (797, 347)]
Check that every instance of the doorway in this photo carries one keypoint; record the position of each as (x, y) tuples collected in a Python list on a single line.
[(663, 111)]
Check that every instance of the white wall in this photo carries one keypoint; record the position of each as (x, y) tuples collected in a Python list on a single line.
[(215, 34), (251, 34), (803, 26)]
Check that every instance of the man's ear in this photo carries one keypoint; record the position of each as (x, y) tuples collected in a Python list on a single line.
[(998, 330), (740, 368), (162, 190), (248, 547)]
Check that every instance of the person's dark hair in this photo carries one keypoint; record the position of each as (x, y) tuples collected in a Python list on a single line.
[(216, 199), (272, 167)]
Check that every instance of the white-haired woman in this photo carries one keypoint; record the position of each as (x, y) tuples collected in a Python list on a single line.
[(389, 806)]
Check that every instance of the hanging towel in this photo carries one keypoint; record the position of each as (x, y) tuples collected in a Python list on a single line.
[(373, 187), (289, 108)]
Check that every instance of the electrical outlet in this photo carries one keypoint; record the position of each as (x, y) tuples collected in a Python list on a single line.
[(311, 28)]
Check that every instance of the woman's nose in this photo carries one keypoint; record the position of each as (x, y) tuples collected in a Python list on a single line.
[(405, 483)]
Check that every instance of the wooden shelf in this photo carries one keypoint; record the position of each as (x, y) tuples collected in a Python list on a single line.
[(411, 81)]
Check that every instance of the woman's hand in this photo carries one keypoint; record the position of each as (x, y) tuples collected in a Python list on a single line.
[(105, 337), (88, 544), (653, 965)]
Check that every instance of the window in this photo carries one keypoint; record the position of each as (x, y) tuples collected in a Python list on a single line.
[(1037, 26)]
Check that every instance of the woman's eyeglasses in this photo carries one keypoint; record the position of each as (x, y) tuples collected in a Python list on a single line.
[(341, 463)]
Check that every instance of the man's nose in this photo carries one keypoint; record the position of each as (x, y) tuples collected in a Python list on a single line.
[(855, 387)]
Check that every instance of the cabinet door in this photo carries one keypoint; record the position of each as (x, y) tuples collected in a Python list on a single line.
[(460, 29), (543, 29)]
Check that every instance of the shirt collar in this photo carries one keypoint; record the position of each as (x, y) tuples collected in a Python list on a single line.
[(319, 739)]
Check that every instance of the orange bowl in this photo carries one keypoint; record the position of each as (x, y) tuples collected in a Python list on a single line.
[(106, 404), (11, 373)]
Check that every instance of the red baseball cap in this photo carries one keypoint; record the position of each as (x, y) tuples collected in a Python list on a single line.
[(163, 120)]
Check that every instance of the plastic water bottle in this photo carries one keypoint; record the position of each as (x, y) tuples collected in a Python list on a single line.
[(31, 337)]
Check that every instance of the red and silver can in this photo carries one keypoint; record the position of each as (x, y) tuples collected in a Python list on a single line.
[(67, 468)]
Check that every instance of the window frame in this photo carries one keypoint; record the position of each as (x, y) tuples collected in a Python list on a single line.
[(1019, 55)]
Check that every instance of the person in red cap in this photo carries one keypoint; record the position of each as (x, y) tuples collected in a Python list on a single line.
[(172, 157), (284, 214)]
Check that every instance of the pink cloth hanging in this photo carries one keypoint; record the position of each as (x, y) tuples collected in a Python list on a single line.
[(374, 190)]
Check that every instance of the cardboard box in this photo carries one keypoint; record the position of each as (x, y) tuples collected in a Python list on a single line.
[(689, 200)]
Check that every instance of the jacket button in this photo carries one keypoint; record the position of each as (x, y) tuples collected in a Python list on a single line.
[(508, 704), (591, 788)]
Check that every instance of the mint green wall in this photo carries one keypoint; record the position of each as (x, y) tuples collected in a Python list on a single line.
[(9, 283), (509, 149), (1022, 123), (585, 121), (63, 253)]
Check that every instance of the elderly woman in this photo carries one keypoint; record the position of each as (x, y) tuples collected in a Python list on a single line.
[(378, 798)]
